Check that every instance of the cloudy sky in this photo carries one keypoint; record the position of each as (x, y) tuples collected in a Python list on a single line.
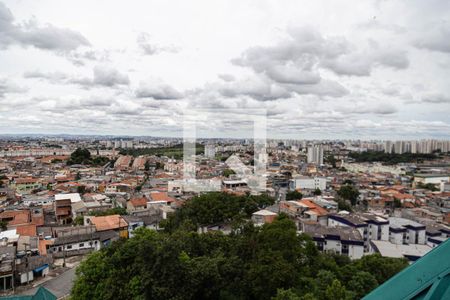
[(321, 69)]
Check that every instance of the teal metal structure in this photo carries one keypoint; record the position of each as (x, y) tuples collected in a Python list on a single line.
[(426, 279)]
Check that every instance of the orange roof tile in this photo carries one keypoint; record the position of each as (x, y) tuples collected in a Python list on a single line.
[(27, 230), (314, 207), (138, 201), (161, 196), (17, 216), (108, 222)]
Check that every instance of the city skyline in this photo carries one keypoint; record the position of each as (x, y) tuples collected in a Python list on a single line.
[(364, 70)]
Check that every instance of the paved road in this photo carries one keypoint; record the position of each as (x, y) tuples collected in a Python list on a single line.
[(60, 286)]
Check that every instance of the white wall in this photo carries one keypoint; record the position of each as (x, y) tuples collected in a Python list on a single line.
[(355, 251), (78, 246)]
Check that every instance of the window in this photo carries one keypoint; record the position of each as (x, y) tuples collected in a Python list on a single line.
[(81, 245), (69, 247)]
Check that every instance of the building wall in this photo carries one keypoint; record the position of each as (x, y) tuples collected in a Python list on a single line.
[(332, 246), (309, 183), (396, 238), (77, 246), (355, 251)]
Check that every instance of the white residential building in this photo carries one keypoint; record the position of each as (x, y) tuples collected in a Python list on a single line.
[(308, 183), (405, 231), (315, 155)]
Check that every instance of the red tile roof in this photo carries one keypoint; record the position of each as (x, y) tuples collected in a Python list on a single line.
[(27, 230), (108, 222), (137, 202)]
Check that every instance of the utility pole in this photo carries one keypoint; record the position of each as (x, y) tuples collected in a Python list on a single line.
[(26, 263), (64, 249)]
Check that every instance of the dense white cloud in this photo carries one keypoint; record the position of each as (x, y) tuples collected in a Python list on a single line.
[(30, 33), (363, 69)]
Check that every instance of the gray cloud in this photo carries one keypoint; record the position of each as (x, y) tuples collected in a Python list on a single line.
[(436, 38), (369, 108), (108, 76), (297, 60), (436, 98), (102, 76), (79, 57), (53, 77), (30, 33), (7, 87), (226, 77), (256, 87), (157, 91)]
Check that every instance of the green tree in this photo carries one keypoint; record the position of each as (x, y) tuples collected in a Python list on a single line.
[(81, 189), (228, 172), (267, 262), (397, 203), (79, 220), (80, 156), (349, 192), (112, 211), (330, 159), (3, 225), (343, 205), (336, 291), (294, 195), (317, 192), (382, 268), (362, 283), (288, 294)]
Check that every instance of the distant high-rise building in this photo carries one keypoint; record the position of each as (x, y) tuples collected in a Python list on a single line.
[(315, 154), (388, 147), (210, 151)]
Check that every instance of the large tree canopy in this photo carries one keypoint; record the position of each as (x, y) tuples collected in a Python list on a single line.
[(250, 263)]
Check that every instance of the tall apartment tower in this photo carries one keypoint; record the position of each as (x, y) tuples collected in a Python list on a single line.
[(210, 151), (315, 155), (388, 147)]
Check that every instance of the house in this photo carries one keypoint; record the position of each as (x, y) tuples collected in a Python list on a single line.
[(137, 204), (83, 208), (63, 211), (26, 185), (345, 241), (263, 216), (158, 196), (112, 222), (437, 234), (405, 231), (134, 222), (8, 254), (79, 240), (370, 226), (308, 183), (313, 211), (15, 218)]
